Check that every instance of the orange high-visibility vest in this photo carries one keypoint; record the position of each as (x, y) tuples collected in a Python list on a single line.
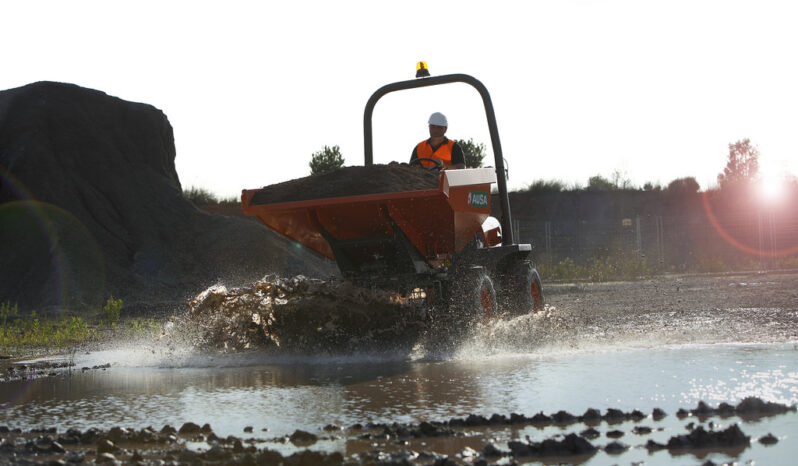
[(444, 152)]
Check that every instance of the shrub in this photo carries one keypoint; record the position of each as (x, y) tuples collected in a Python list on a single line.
[(326, 160), (112, 310)]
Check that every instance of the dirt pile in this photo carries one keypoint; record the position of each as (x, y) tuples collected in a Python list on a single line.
[(351, 181), (91, 206), (300, 314)]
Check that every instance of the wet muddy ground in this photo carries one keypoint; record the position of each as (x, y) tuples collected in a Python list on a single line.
[(611, 373)]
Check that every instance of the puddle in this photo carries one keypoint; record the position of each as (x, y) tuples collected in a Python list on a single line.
[(277, 395), (626, 346)]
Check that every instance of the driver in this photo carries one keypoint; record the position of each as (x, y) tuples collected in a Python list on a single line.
[(438, 146)]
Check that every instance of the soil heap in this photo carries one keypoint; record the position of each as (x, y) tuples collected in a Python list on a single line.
[(351, 181), (91, 206)]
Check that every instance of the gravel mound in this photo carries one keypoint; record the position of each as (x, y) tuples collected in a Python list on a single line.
[(91, 206)]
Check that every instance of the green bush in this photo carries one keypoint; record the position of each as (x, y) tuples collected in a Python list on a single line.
[(6, 311), (473, 152), (326, 160), (19, 332), (112, 310)]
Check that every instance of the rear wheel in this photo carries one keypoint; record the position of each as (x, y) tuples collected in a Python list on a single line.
[(521, 289)]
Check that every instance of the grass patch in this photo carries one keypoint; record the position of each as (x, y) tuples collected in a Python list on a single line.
[(25, 333), (20, 332)]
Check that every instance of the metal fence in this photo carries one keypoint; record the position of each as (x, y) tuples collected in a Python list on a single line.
[(761, 240)]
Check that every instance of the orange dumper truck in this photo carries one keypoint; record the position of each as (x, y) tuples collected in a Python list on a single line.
[(438, 244)]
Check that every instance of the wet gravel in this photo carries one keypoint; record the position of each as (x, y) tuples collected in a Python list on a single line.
[(680, 309), (194, 444)]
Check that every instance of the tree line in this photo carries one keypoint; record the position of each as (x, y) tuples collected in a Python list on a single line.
[(330, 158), (742, 168)]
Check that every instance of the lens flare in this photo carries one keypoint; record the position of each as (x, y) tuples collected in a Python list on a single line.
[(771, 189), (735, 242), (50, 247)]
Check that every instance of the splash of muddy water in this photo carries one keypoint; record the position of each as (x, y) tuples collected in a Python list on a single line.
[(300, 315), (316, 317)]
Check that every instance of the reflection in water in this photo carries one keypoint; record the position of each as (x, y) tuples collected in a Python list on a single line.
[(282, 396)]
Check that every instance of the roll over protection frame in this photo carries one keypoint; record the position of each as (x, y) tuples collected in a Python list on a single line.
[(501, 181)]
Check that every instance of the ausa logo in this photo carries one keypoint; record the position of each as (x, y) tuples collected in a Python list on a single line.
[(478, 199)]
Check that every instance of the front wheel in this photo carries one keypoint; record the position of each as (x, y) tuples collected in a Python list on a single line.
[(521, 290), (477, 296)]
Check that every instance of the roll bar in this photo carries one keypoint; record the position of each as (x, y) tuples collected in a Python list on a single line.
[(501, 181)]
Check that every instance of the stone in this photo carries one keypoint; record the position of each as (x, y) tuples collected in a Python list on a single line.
[(768, 439), (217, 453), (590, 433), (540, 418), (700, 438), (116, 434), (651, 445), (104, 458), (428, 429), (591, 415), (614, 415), (491, 451), (615, 448), (106, 446), (563, 417), (189, 428), (641, 430), (300, 436)]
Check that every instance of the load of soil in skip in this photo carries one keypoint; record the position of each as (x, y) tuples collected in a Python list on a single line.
[(350, 181), (301, 315)]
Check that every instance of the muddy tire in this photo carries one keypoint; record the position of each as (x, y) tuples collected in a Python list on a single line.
[(476, 299), (521, 291)]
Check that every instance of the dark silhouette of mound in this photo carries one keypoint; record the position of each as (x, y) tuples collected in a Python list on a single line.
[(91, 206)]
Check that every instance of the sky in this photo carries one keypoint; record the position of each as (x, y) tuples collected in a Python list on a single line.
[(652, 90)]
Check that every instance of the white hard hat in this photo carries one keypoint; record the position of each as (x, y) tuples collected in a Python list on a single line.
[(438, 119)]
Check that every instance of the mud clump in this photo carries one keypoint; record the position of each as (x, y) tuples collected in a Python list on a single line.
[(350, 181), (91, 206), (701, 438), (145, 446), (301, 314), (749, 408), (172, 445), (570, 445)]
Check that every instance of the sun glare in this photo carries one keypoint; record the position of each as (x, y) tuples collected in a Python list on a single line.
[(771, 188)]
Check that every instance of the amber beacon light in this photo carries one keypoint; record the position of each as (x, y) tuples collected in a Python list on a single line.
[(421, 70)]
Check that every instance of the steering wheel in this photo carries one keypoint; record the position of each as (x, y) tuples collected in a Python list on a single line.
[(438, 164)]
